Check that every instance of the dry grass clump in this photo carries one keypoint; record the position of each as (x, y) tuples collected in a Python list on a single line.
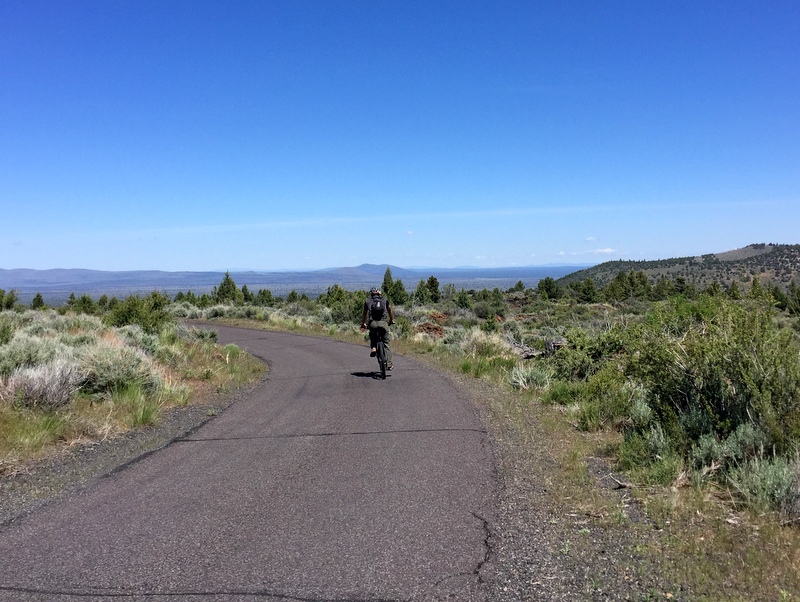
[(479, 343)]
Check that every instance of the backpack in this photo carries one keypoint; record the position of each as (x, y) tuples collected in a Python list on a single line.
[(377, 308)]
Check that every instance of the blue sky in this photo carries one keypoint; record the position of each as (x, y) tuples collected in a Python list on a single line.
[(271, 134)]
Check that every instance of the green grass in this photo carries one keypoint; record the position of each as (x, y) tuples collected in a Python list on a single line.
[(27, 433), (135, 407)]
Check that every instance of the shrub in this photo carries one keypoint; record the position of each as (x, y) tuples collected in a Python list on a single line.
[(82, 339), (232, 352), (610, 394), (80, 323), (572, 364), (640, 413), (48, 386), (27, 351), (665, 470), (732, 366), (791, 506), (454, 337), (634, 451), (588, 416), (401, 327), (7, 327), (107, 368), (205, 334), (185, 310), (766, 483), (135, 336)]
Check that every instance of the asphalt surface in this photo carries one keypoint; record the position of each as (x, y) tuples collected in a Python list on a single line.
[(325, 483)]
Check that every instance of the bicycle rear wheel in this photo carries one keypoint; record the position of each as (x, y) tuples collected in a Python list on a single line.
[(382, 359)]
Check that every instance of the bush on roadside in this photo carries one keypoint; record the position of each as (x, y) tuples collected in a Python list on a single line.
[(110, 367), (25, 351), (49, 386)]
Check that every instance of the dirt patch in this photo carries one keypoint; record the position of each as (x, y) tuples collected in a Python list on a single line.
[(429, 328), (438, 318)]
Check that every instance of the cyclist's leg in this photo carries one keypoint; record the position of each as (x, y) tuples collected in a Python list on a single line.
[(373, 338)]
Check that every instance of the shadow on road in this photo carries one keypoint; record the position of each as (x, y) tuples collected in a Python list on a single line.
[(375, 375)]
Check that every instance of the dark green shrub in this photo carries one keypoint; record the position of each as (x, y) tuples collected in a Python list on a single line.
[(713, 365), (572, 364), (633, 452), (606, 397), (148, 312)]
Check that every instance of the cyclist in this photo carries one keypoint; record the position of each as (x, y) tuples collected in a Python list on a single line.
[(380, 315)]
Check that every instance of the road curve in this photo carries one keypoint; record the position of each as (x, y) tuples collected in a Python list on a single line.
[(323, 484)]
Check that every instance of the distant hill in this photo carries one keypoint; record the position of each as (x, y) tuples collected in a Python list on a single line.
[(779, 264), (56, 285)]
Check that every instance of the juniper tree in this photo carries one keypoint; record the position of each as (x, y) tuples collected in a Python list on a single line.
[(37, 302), (264, 297), (422, 294), (10, 299), (399, 295), (433, 288), (226, 292), (549, 289), (388, 283)]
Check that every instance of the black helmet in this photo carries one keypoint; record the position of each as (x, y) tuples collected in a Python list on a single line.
[(375, 291)]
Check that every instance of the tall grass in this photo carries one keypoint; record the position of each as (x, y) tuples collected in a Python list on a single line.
[(135, 406)]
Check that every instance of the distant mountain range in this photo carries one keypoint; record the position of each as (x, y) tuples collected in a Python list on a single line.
[(57, 284), (774, 263), (771, 263)]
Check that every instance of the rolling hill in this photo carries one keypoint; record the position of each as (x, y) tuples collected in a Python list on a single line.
[(771, 263)]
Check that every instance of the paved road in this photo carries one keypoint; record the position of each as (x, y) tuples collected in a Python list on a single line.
[(324, 484)]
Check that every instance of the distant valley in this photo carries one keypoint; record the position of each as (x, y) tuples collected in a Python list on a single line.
[(56, 285), (774, 263)]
